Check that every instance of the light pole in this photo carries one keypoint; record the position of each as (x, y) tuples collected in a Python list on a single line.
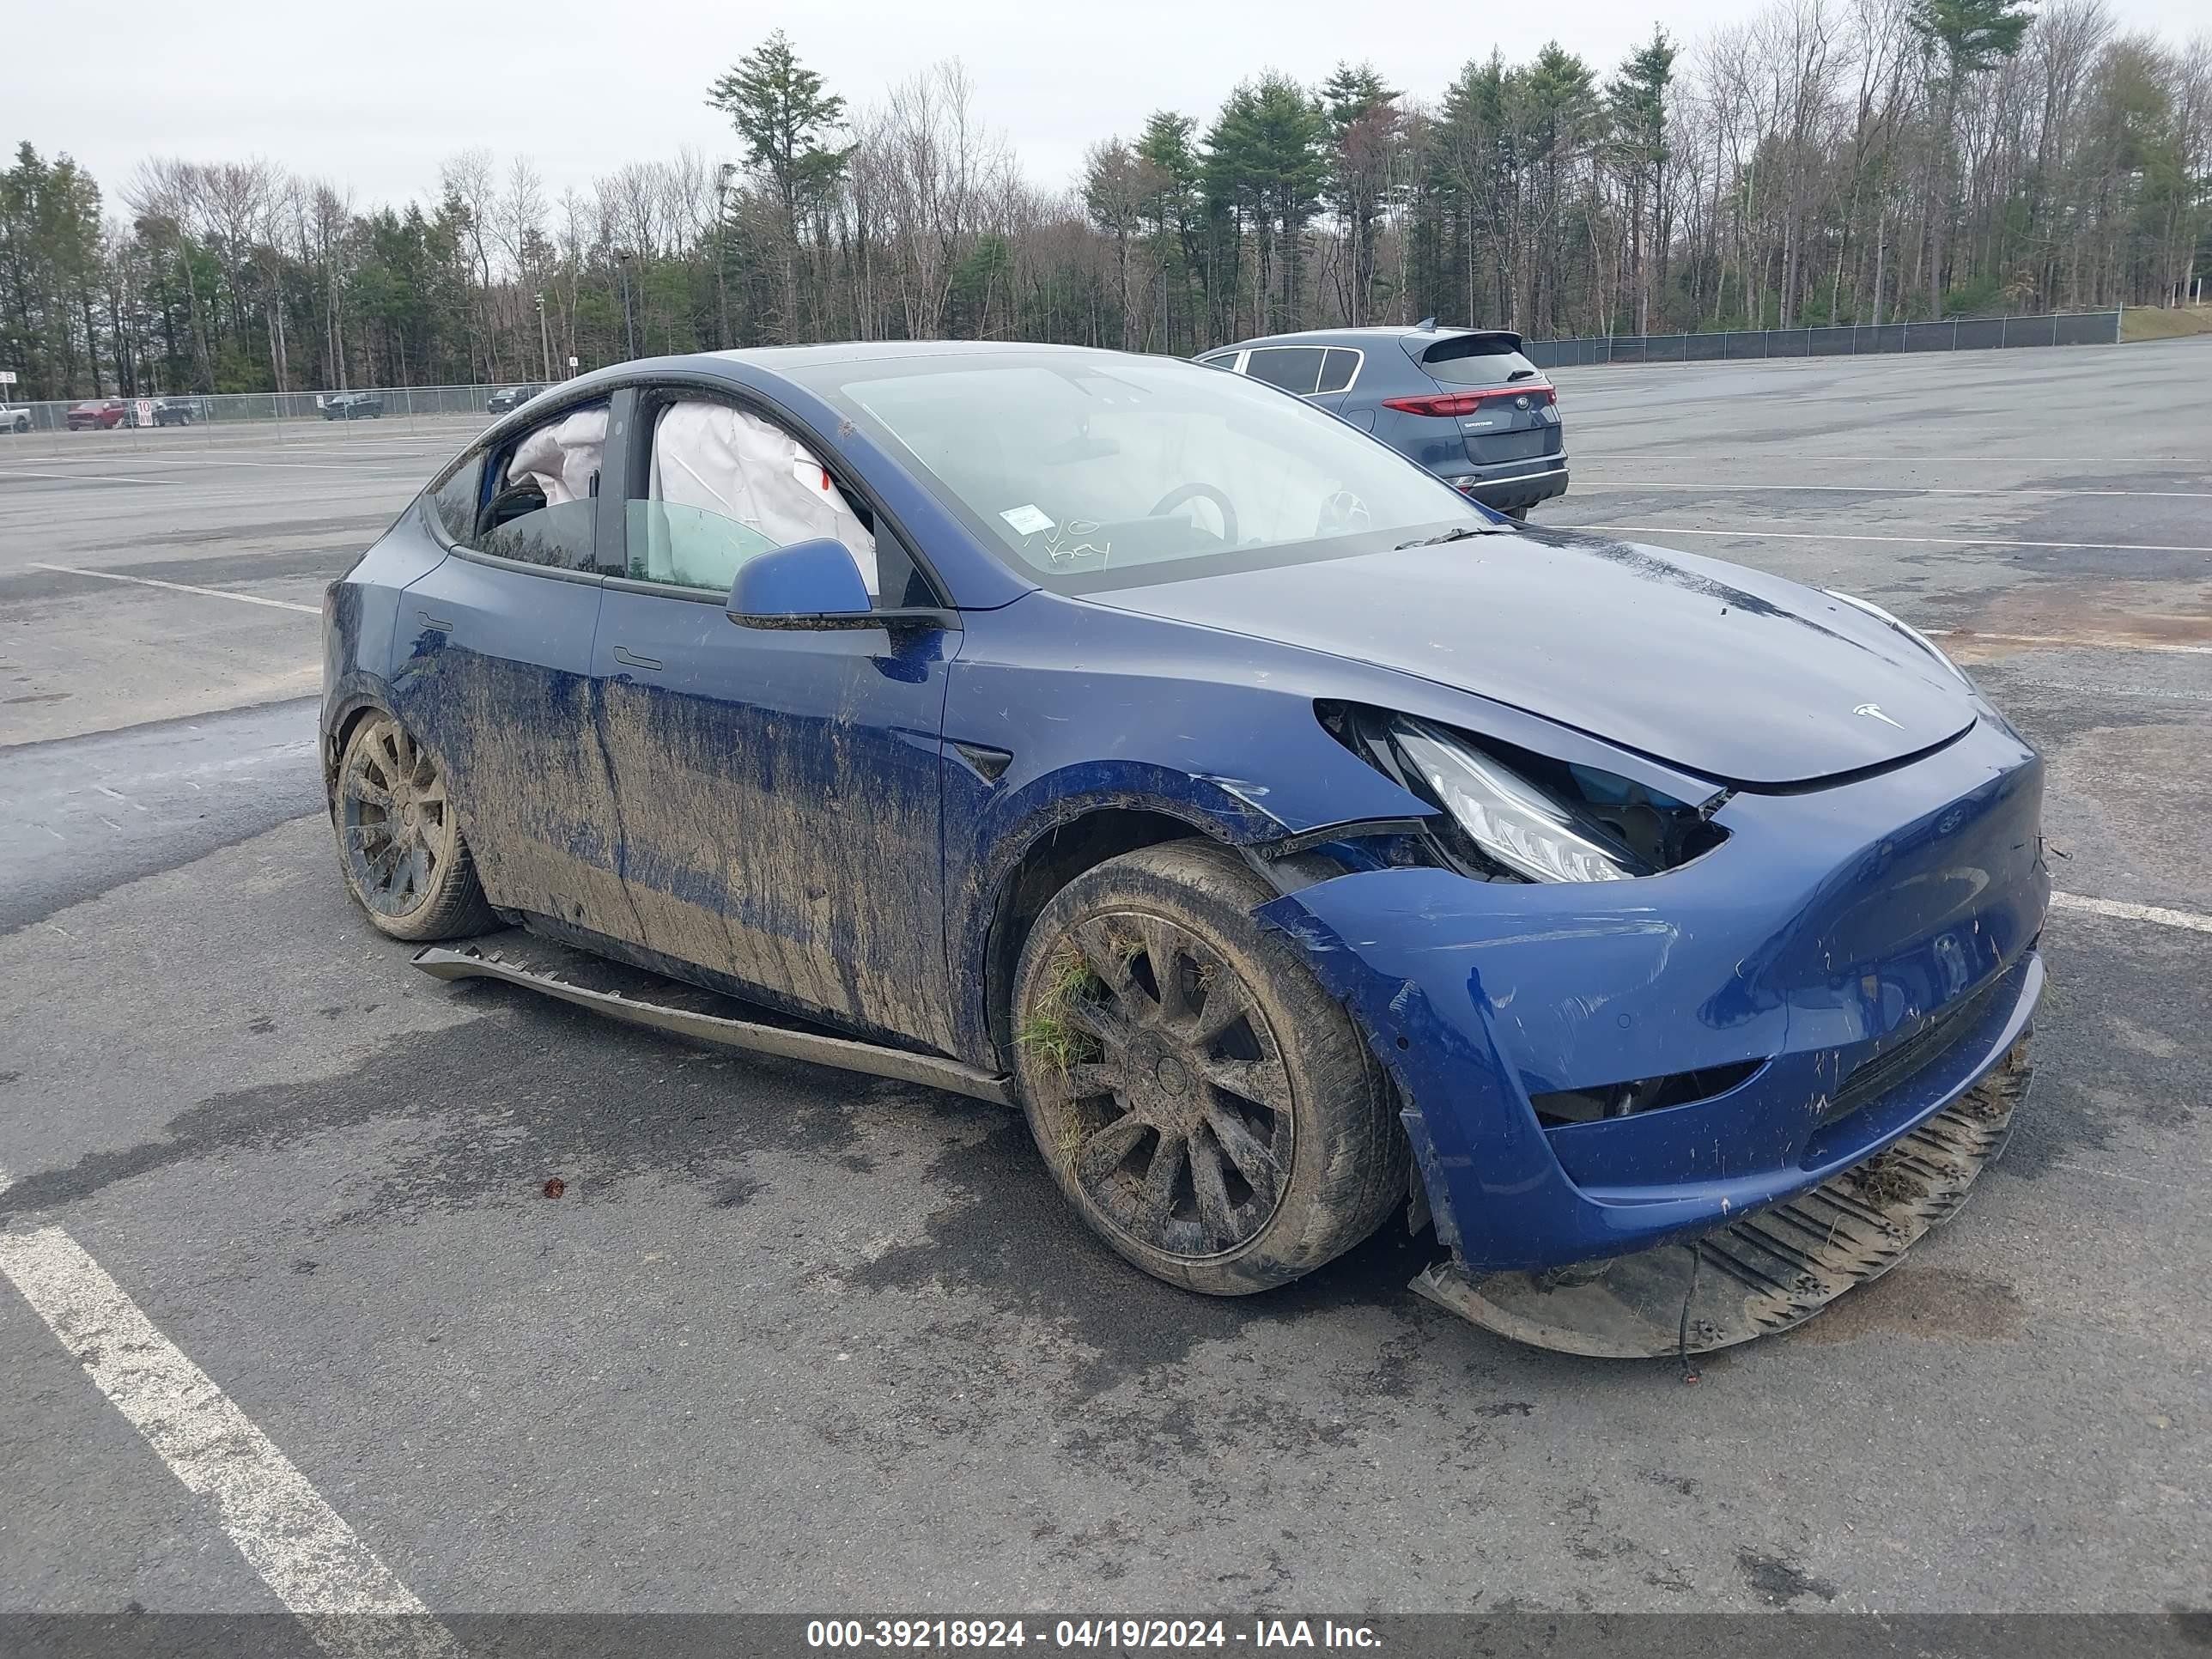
[(721, 247), (544, 341), (621, 266)]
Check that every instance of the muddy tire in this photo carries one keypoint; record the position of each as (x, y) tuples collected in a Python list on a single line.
[(1204, 1104), (400, 842)]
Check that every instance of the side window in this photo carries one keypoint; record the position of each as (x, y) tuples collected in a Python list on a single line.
[(455, 501), (1294, 368), (1220, 359), (727, 486), (543, 508), (1342, 368)]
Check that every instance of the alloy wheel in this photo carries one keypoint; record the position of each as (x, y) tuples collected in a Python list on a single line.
[(1174, 1113), (396, 825)]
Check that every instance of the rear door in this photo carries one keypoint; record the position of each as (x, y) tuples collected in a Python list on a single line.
[(493, 663), (1319, 374), (1293, 367), (779, 787)]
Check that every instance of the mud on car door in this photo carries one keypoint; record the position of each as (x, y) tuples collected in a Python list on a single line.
[(492, 662), (779, 787)]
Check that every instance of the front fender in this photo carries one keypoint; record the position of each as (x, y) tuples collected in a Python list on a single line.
[(990, 834)]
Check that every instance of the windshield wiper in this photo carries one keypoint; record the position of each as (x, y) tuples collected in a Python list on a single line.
[(1457, 532)]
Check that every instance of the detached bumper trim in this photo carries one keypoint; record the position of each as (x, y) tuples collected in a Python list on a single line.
[(1765, 1272)]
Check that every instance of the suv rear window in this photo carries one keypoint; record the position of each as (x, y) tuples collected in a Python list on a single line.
[(1477, 359)]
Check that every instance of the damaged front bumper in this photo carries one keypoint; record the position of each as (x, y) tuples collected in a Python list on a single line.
[(1852, 963)]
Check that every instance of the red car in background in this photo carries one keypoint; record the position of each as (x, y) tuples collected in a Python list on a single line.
[(102, 412)]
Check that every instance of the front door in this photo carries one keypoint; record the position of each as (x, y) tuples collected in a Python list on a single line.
[(778, 789)]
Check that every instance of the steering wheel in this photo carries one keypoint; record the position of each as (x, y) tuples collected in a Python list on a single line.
[(1192, 492)]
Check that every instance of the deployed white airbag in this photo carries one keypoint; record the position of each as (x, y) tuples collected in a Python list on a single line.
[(722, 461), (563, 457)]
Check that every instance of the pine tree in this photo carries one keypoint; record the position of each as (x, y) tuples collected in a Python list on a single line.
[(781, 110), (1364, 127), (1637, 108), (1959, 37)]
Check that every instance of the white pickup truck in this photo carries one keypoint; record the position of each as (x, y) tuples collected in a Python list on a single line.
[(14, 419)]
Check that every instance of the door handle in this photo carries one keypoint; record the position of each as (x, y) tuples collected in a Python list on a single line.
[(438, 622), (630, 658)]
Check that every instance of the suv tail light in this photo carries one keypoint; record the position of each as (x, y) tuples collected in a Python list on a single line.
[(1466, 403)]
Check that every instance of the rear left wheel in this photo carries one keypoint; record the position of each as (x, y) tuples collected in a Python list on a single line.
[(1204, 1105), (400, 842)]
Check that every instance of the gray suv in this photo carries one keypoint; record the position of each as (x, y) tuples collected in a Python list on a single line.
[(1463, 402)]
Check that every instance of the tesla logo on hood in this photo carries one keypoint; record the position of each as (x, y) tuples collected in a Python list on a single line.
[(1872, 712)]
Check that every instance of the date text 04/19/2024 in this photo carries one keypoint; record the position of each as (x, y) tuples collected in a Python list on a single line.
[(1085, 1634)]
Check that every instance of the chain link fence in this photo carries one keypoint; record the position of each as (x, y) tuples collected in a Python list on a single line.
[(293, 417), (286, 416), (1740, 345)]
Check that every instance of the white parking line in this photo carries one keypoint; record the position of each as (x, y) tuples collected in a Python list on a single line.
[(1968, 635), (1910, 540), (81, 477), (2125, 912), (350, 1602), (1584, 479), (178, 588), (430, 440), (1639, 419), (192, 463), (320, 466)]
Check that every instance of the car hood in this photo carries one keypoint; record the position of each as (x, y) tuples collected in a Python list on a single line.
[(1729, 673)]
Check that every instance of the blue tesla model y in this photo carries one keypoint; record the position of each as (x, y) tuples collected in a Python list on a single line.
[(1295, 843)]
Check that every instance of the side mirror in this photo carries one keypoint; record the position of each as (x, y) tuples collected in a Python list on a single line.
[(806, 585)]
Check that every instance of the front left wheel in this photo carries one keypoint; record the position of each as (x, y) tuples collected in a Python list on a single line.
[(400, 842), (1204, 1105)]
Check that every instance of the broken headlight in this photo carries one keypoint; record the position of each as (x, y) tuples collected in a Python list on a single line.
[(1900, 625), (1511, 819), (1506, 813)]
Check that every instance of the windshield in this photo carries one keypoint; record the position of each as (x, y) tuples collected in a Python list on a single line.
[(1085, 470)]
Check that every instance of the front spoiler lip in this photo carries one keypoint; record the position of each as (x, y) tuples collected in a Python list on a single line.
[(1774, 1268)]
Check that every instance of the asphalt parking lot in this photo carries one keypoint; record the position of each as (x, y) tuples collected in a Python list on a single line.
[(797, 1340)]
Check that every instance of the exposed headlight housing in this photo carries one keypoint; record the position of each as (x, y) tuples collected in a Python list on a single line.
[(1901, 626), (1511, 819), (1505, 812)]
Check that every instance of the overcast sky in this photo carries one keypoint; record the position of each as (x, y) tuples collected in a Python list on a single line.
[(373, 94)]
